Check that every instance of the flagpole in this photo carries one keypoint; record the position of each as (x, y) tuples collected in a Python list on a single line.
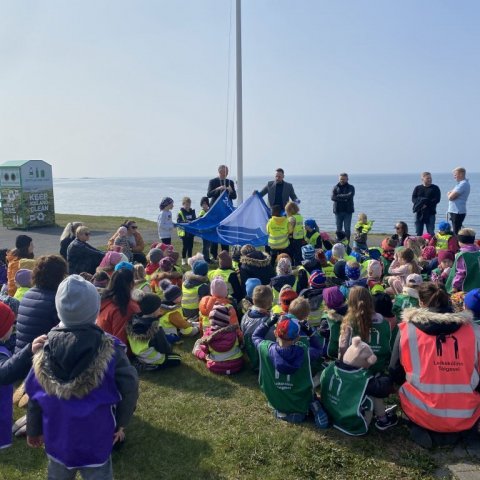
[(239, 102)]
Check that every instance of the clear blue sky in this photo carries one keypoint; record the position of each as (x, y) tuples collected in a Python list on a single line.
[(117, 88)]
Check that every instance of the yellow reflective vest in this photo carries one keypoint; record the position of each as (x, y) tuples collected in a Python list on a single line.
[(299, 229), (277, 229)]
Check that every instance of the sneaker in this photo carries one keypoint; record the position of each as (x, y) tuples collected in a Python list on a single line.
[(391, 420), (319, 414), (184, 261)]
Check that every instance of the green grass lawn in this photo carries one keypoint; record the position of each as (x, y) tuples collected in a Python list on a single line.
[(191, 424)]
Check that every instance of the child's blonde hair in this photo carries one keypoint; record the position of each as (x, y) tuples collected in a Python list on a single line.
[(362, 218), (300, 308), (291, 208), (360, 312), (186, 200), (138, 272)]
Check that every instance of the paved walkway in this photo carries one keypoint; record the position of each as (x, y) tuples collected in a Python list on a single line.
[(461, 462), (46, 240)]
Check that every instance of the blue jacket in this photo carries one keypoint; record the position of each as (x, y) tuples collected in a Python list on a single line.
[(37, 315)]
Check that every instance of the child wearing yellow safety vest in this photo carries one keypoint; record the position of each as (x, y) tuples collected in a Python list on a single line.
[(444, 239), (195, 286), (297, 231), (171, 318), (278, 229), (229, 275), (147, 338), (220, 346), (186, 215), (362, 227)]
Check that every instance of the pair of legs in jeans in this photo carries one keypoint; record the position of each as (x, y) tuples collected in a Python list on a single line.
[(58, 471), (428, 221), (344, 223)]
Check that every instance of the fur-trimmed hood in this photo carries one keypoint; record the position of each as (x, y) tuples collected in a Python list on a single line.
[(191, 280), (142, 328), (263, 259), (173, 276), (73, 361), (334, 315), (411, 292), (436, 323)]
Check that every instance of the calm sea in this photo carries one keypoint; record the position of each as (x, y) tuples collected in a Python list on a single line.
[(384, 198)]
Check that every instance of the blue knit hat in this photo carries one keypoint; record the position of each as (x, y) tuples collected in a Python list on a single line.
[(308, 252), (200, 267), (311, 223), (352, 271), (123, 265), (444, 226), (250, 285), (472, 301)]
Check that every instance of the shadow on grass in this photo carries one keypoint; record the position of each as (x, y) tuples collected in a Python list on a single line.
[(173, 455)]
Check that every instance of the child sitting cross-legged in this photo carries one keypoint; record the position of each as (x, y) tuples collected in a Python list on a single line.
[(146, 337), (220, 345), (285, 376), (171, 317), (351, 395)]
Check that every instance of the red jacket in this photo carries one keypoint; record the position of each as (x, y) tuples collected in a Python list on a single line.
[(112, 321)]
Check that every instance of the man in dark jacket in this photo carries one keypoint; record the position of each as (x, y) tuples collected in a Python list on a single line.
[(425, 198), (279, 191), (216, 186), (342, 198)]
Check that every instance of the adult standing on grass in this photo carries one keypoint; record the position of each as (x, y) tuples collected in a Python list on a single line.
[(425, 198), (135, 241), (279, 192), (342, 198), (216, 186), (457, 199)]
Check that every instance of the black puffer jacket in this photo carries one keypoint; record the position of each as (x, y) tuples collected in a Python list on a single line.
[(37, 315), (82, 257), (256, 264)]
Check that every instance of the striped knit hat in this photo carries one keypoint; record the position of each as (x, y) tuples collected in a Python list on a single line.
[(219, 316)]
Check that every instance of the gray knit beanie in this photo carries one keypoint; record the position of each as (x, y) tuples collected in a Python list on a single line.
[(77, 302)]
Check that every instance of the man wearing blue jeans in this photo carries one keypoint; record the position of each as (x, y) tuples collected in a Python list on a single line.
[(342, 198)]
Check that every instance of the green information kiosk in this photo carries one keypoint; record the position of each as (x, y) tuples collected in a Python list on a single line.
[(26, 189)]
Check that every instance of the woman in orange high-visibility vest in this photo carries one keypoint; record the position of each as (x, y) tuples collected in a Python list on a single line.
[(435, 360)]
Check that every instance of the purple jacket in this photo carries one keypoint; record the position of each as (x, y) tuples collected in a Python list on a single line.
[(287, 360), (74, 385), (461, 271)]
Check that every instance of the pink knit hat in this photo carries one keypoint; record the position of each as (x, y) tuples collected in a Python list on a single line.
[(218, 287)]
